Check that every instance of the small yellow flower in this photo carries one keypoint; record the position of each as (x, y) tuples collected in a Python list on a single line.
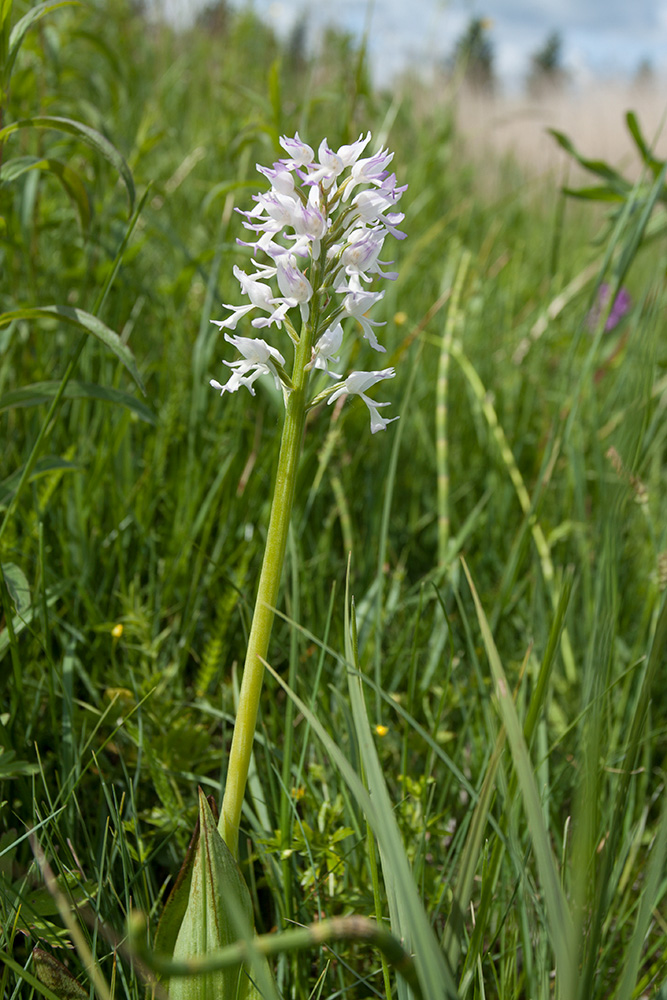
[(400, 318), (122, 694), (117, 631), (298, 793), (381, 730)]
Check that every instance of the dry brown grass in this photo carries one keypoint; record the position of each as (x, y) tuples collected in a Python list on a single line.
[(594, 120)]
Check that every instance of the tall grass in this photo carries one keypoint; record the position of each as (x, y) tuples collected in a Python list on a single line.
[(468, 744)]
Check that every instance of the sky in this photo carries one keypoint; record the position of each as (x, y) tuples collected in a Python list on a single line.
[(601, 38)]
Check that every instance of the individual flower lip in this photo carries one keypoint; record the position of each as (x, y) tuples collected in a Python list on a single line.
[(259, 358), (322, 224), (261, 297), (356, 384), (357, 303), (325, 349)]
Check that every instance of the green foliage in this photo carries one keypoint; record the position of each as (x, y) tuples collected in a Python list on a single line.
[(505, 746)]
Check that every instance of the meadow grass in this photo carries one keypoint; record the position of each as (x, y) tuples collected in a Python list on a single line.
[(463, 732)]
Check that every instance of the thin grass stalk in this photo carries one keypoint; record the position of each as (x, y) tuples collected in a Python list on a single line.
[(18, 701), (650, 894), (558, 914), (441, 408), (388, 496), (434, 977), (522, 494), (658, 646), (79, 941), (535, 710)]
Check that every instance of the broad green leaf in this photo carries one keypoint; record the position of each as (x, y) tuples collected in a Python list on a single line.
[(647, 156), (22, 974), (11, 767), (41, 392), (89, 135), (218, 912), (86, 322), (18, 586), (53, 974), (69, 179), (172, 915), (25, 23), (601, 192), (594, 166)]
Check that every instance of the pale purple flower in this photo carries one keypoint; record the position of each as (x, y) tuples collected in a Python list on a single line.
[(293, 283), (351, 153), (281, 177), (300, 153), (258, 359), (621, 306), (357, 303), (369, 171), (361, 252), (332, 164), (372, 206), (356, 384), (325, 349)]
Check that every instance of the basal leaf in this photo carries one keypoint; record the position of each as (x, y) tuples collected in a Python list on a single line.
[(218, 912), (57, 977)]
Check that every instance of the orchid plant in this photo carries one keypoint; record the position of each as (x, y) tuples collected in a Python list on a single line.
[(322, 226)]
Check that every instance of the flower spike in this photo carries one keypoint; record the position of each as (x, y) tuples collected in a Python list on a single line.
[(320, 231)]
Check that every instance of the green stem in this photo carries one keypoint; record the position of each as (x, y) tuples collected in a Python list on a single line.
[(267, 594)]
